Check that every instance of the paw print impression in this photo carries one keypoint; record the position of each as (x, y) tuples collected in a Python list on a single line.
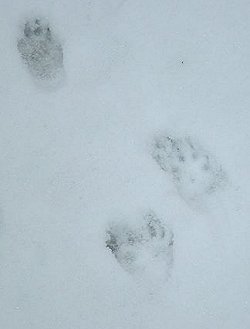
[(41, 51), (194, 171), (145, 249)]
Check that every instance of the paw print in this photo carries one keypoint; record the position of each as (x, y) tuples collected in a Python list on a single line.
[(194, 171), (139, 249), (40, 50)]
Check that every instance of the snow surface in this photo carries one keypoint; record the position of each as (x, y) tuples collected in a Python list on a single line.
[(78, 156)]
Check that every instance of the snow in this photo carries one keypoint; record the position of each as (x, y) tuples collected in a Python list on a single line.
[(78, 156)]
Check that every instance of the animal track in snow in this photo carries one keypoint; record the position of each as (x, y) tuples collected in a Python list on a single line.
[(142, 250), (193, 170), (41, 51)]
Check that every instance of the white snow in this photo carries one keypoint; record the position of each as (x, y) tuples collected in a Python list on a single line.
[(78, 157)]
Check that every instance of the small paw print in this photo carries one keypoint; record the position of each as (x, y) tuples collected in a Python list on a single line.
[(139, 249), (40, 50)]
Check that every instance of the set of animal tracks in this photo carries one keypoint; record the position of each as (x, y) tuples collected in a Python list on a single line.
[(195, 174), (147, 246)]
